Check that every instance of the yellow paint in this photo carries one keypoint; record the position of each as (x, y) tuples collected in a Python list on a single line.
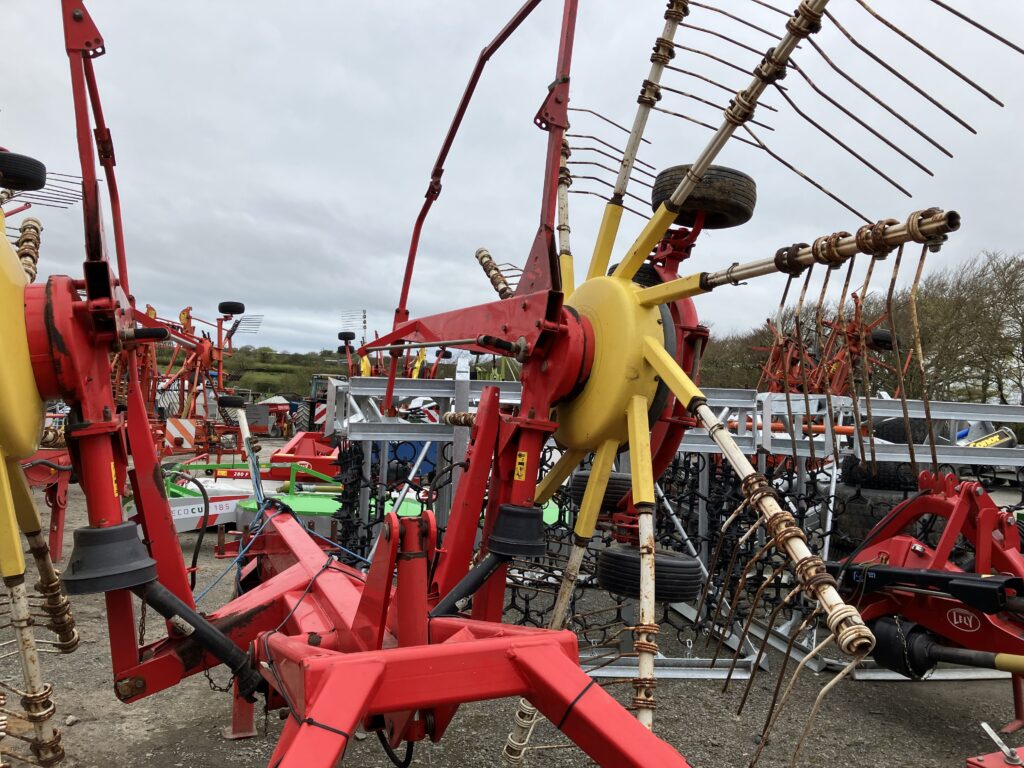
[(673, 290), (113, 478), (521, 458), (364, 366), (605, 240), (24, 506), (593, 495), (987, 440), (557, 474), (565, 269), (597, 413), (12, 559), (641, 469), (420, 358), (651, 235), (1010, 662), (675, 378), (21, 410)]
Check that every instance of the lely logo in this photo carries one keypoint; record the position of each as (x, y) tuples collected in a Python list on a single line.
[(963, 620)]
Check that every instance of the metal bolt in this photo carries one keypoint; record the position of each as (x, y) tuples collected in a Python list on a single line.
[(978, 491), (77, 14)]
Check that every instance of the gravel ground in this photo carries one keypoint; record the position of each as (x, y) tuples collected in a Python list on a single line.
[(912, 725)]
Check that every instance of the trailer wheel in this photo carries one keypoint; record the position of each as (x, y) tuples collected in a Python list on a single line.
[(346, 336), (21, 173), (231, 308), (726, 196), (677, 577), (619, 484)]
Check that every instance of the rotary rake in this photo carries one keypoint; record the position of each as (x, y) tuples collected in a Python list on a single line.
[(394, 643)]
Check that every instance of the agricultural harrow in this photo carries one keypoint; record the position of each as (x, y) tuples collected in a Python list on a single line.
[(396, 641)]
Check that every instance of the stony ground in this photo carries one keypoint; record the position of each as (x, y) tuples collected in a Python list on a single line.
[(910, 725)]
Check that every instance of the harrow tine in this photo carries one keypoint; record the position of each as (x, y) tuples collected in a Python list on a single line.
[(709, 103), (727, 578), (610, 156)]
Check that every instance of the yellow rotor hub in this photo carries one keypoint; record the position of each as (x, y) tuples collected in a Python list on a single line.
[(619, 371)]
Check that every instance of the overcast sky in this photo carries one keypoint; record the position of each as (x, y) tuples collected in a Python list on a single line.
[(277, 154)]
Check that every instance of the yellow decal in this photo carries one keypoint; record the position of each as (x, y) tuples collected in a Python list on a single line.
[(520, 465), (987, 440), (113, 478)]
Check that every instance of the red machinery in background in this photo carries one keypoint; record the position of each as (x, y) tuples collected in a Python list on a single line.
[(941, 579), (181, 395)]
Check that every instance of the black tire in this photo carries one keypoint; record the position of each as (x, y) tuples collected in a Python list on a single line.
[(726, 196), (677, 577), (619, 484), (889, 475), (880, 340), (894, 430), (21, 173), (230, 401), (446, 355), (231, 308), (346, 336)]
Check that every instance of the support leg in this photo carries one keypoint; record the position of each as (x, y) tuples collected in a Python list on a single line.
[(1018, 707)]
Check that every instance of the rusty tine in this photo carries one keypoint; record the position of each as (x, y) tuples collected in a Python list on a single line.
[(776, 572), (934, 57), (897, 74), (769, 628)]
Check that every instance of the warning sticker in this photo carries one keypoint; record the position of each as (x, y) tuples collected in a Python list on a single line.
[(521, 465)]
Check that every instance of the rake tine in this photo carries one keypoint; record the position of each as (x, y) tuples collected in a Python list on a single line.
[(899, 361), (851, 376), (817, 705), (862, 123), (764, 643), (606, 168), (725, 588), (610, 156), (713, 562), (896, 73), (934, 57), (606, 144), (710, 104), (866, 163), (602, 117), (754, 559), (919, 352), (746, 624), (773, 711), (821, 188), (975, 24), (801, 357), (820, 331), (720, 86)]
